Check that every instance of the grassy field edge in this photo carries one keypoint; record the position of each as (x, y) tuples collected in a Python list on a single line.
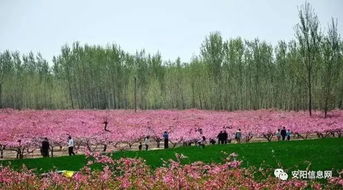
[(317, 154)]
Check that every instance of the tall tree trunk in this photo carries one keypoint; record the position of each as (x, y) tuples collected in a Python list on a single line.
[(135, 95), (326, 107), (309, 93), (0, 95), (193, 98), (70, 94)]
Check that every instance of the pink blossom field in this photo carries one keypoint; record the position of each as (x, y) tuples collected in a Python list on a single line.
[(126, 126)]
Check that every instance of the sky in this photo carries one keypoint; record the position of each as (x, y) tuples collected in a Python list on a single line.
[(174, 28)]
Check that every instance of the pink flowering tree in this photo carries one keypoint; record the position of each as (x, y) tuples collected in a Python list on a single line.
[(87, 127)]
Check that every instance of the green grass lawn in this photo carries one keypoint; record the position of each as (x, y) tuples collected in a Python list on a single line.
[(323, 154)]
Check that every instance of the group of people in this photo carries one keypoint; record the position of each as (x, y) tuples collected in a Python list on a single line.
[(283, 134), (147, 141), (45, 148), (223, 137)]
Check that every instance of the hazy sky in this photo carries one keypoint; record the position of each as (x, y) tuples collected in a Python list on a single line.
[(174, 27)]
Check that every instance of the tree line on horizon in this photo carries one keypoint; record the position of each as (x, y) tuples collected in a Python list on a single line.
[(303, 74)]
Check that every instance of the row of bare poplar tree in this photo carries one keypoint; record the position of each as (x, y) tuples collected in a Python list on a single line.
[(235, 74)]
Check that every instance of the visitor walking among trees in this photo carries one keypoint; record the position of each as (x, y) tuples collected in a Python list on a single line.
[(70, 146), (140, 146), (202, 141), (238, 136), (166, 139), (288, 134), (283, 133), (225, 137), (146, 142), (45, 147), (278, 134), (220, 137), (19, 150)]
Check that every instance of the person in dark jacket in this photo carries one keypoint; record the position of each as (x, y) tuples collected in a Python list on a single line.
[(20, 154), (283, 133), (140, 146), (220, 138), (225, 137), (45, 147), (166, 139)]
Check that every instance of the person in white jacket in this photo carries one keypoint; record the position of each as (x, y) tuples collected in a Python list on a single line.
[(146, 142), (70, 146)]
